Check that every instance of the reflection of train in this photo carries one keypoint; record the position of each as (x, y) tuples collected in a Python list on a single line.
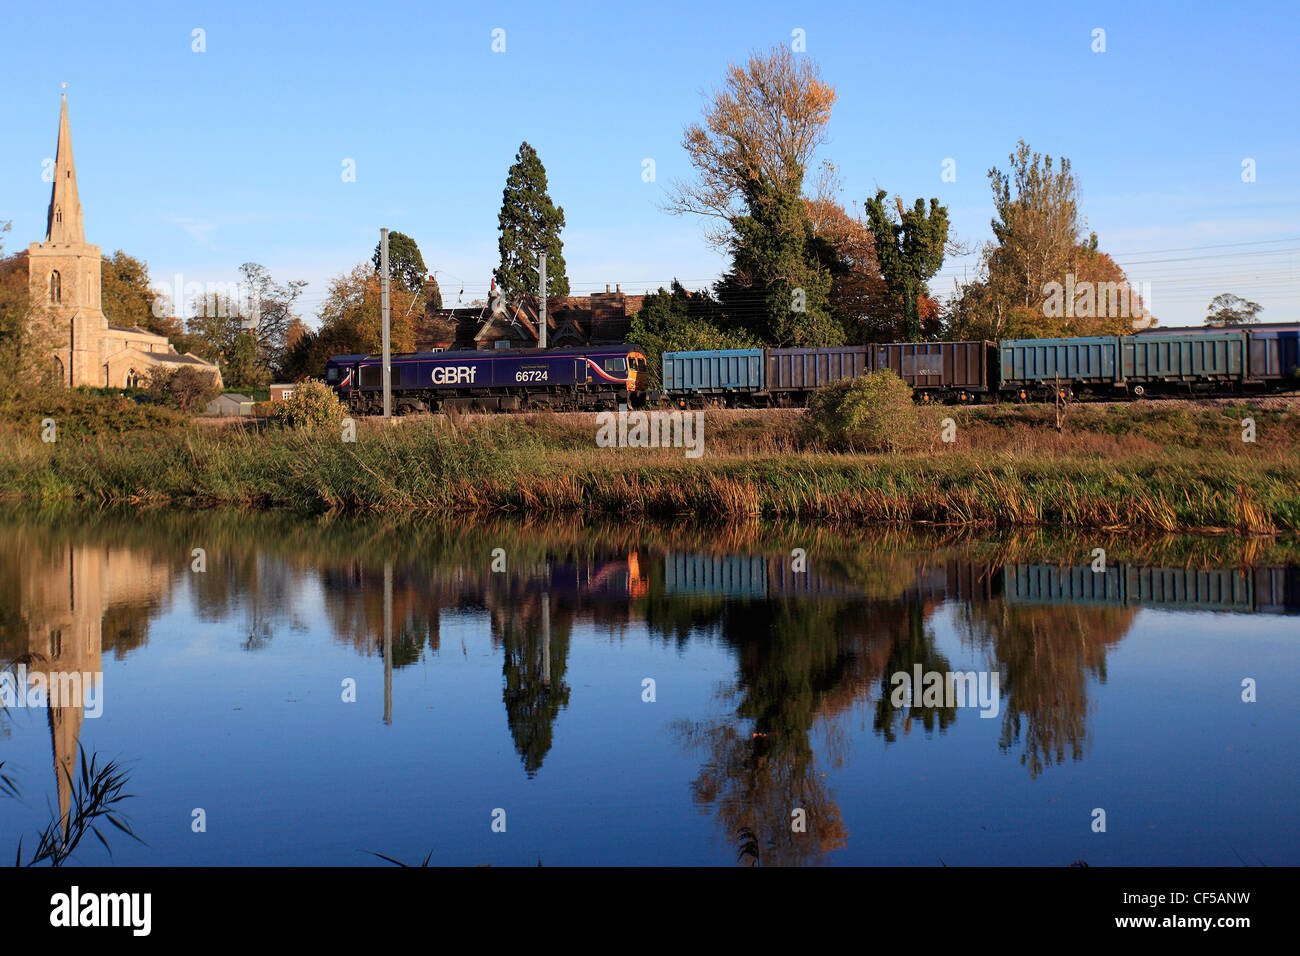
[(599, 377), (1175, 362), (1263, 590)]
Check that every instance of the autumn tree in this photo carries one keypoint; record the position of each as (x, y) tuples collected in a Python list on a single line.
[(272, 312), (1036, 227), (183, 387), (750, 155), (530, 223), (29, 333), (1038, 277), (910, 250), (1228, 309), (351, 323), (761, 129), (246, 333), (128, 300), (405, 263), (859, 297)]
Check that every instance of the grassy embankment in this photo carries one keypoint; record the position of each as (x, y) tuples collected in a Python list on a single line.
[(1153, 467)]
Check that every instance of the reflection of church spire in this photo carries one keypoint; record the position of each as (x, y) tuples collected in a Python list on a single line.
[(64, 218), (66, 637)]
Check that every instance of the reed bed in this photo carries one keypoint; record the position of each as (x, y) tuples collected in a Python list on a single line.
[(1166, 470)]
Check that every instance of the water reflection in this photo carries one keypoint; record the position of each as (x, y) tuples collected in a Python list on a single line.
[(62, 605), (811, 644)]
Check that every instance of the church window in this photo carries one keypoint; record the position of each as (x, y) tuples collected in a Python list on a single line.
[(58, 214), (131, 379), (56, 287)]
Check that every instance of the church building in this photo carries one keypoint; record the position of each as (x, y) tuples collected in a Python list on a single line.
[(64, 272)]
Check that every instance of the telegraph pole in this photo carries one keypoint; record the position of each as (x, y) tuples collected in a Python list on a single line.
[(541, 298), (383, 310)]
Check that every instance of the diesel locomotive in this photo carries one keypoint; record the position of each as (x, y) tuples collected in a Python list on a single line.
[(585, 379)]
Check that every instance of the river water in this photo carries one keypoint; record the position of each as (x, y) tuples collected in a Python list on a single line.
[(301, 691)]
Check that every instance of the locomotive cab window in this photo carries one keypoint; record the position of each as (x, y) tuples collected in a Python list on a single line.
[(615, 365), (332, 373)]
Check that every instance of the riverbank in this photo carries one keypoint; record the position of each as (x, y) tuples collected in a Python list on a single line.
[(1165, 467)]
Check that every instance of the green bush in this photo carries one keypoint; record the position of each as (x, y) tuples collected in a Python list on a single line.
[(872, 413), (313, 404), (185, 388), (82, 412)]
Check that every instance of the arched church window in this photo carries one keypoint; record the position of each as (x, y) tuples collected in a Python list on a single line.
[(56, 287), (131, 379), (58, 369), (58, 214)]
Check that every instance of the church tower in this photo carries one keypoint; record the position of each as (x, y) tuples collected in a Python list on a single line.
[(64, 272)]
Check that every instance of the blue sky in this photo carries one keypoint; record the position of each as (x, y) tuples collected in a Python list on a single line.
[(197, 162)]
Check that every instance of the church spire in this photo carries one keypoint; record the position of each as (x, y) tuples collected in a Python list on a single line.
[(64, 222)]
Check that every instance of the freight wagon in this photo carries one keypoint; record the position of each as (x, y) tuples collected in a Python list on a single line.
[(957, 371), (1165, 362), (792, 375), (713, 377), (1272, 353), (1273, 357), (1182, 364), (943, 371), (1040, 369)]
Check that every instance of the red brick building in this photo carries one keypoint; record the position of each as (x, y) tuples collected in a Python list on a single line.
[(601, 318)]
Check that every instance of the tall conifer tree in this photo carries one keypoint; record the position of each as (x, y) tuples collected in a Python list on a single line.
[(530, 223)]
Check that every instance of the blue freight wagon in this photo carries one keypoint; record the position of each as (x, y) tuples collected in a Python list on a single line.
[(1273, 356), (1272, 352), (716, 377), (1182, 363), (1033, 369), (731, 575)]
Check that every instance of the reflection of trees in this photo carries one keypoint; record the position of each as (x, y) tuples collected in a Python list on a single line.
[(913, 643), (1046, 653), (264, 587), (126, 627), (535, 658), (356, 609), (794, 658)]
